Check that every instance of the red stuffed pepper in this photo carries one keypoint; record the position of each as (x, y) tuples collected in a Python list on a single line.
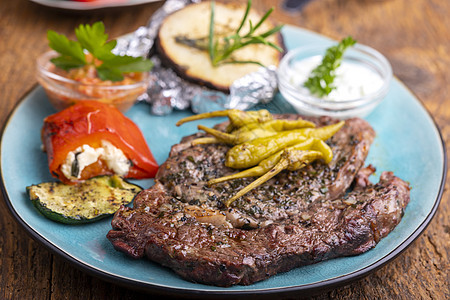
[(90, 139)]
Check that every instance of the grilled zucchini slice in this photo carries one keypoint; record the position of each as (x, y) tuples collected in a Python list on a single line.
[(84, 202)]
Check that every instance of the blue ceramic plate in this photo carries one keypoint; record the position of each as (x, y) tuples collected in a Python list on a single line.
[(407, 143)]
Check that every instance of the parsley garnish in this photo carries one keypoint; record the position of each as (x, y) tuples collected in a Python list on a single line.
[(320, 82), (220, 50), (94, 40)]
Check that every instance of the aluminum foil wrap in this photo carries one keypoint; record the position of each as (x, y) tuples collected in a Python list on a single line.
[(167, 91)]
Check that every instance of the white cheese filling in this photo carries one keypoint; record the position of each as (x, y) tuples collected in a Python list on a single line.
[(85, 155)]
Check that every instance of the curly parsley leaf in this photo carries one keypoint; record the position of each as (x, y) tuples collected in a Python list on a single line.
[(321, 80), (94, 40)]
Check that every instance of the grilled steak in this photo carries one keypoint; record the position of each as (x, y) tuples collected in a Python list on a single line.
[(296, 218)]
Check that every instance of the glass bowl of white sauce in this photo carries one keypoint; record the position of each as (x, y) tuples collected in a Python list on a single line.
[(362, 81)]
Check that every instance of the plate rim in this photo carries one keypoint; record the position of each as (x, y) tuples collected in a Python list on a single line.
[(84, 6), (166, 290), (307, 289)]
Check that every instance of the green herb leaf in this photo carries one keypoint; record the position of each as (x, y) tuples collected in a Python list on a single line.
[(321, 80), (94, 40), (72, 55), (211, 46), (67, 62), (126, 64), (105, 73), (220, 51)]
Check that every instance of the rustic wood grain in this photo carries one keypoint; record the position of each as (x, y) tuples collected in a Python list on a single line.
[(413, 35)]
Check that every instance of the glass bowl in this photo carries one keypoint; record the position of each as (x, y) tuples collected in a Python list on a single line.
[(363, 86), (63, 92)]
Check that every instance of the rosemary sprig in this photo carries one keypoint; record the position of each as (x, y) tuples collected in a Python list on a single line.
[(221, 50), (321, 80)]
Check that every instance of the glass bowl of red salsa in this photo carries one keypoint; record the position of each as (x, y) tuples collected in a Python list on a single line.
[(65, 88)]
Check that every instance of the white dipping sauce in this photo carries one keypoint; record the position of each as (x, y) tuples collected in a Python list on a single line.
[(352, 80)]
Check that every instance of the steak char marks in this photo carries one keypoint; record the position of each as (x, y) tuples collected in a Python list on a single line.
[(297, 218)]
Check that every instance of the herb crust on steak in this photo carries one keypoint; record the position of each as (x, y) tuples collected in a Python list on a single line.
[(297, 218)]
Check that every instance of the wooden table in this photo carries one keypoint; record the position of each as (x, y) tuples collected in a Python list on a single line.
[(413, 35)]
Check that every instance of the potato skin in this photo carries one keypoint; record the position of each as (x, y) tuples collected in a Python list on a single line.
[(193, 64)]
